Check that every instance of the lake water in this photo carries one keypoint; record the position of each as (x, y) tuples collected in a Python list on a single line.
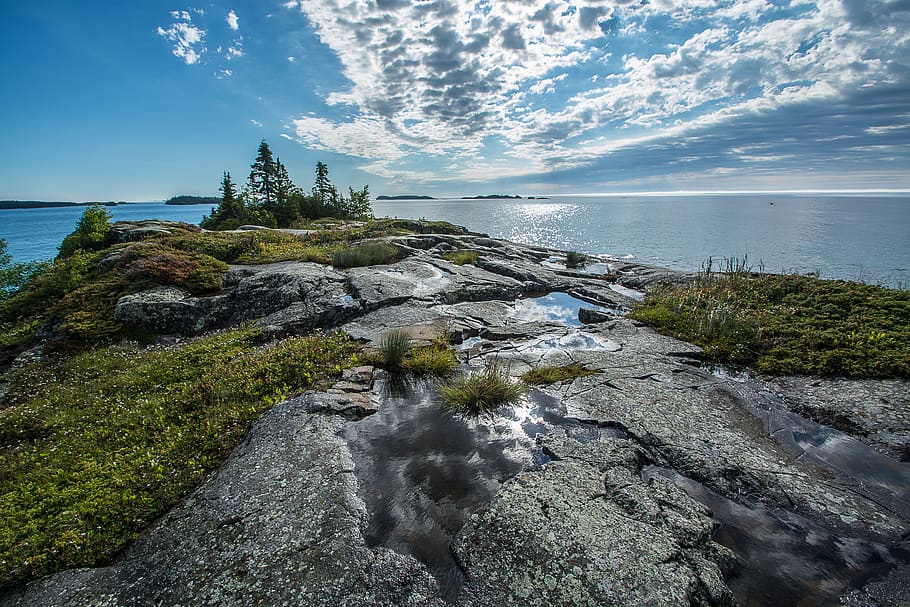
[(853, 237)]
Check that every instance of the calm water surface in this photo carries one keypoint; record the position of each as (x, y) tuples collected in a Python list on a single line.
[(35, 234), (853, 237)]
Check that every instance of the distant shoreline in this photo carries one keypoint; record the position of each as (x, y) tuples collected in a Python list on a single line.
[(406, 197), (42, 204)]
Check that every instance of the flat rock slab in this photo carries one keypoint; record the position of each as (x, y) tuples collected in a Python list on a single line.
[(280, 523)]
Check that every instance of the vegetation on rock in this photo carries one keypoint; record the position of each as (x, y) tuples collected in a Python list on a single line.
[(786, 324), (271, 199), (95, 447), (553, 374), (461, 257), (481, 392), (91, 232), (367, 254), (575, 260)]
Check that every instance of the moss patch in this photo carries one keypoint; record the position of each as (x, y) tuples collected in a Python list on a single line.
[(106, 441), (788, 324), (461, 257)]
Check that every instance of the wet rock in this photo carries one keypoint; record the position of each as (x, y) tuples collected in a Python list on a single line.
[(877, 411), (587, 530), (588, 316)]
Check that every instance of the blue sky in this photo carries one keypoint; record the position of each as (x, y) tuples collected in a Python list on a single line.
[(140, 100)]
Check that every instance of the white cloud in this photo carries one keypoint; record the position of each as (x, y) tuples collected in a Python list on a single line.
[(255, 122), (232, 20), (446, 78), (187, 39)]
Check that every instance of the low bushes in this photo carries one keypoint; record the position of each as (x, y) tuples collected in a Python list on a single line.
[(108, 440), (461, 257)]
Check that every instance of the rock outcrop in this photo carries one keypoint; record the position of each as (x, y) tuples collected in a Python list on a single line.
[(627, 486)]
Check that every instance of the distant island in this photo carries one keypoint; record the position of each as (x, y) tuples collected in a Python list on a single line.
[(405, 198), (188, 200), (43, 204), (489, 197)]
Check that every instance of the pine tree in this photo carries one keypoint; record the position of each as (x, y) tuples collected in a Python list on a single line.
[(287, 207), (263, 178), (323, 188)]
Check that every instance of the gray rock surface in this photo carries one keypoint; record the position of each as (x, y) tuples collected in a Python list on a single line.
[(282, 522)]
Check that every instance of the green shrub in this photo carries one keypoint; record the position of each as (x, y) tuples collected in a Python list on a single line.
[(13, 276), (553, 374), (481, 392), (91, 232), (461, 257), (110, 439), (367, 254), (575, 260), (198, 273)]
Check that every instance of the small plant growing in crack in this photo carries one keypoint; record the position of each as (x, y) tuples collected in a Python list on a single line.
[(553, 374), (482, 392)]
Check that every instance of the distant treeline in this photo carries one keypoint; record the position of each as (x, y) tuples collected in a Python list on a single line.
[(43, 204), (187, 200), (405, 198)]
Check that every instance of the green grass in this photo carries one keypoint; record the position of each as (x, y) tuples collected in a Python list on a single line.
[(553, 374), (437, 359), (461, 257), (481, 392), (366, 254), (785, 324), (94, 448), (393, 347)]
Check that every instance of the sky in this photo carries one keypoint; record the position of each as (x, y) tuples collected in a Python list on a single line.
[(141, 99)]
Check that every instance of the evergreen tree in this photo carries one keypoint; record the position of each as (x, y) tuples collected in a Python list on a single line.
[(287, 207), (263, 178), (323, 188), (358, 205)]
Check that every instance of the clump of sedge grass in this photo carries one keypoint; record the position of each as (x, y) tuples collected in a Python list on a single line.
[(481, 392), (575, 260), (367, 254), (461, 257), (436, 359), (393, 347), (552, 374)]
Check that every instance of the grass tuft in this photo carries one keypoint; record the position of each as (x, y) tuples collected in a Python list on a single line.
[(786, 324), (393, 347), (481, 392), (437, 359), (553, 374), (367, 254)]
